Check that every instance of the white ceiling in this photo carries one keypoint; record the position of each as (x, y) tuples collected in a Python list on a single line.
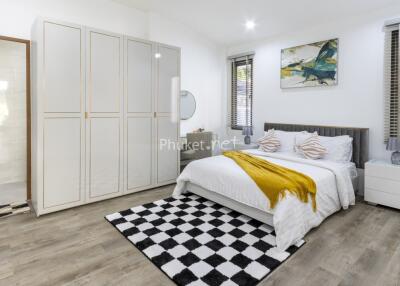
[(223, 20)]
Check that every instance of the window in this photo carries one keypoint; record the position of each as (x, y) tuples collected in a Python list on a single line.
[(392, 95), (242, 92)]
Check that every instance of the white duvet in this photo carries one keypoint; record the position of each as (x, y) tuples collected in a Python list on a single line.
[(292, 218)]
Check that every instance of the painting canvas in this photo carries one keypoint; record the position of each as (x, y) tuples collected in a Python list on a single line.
[(310, 65)]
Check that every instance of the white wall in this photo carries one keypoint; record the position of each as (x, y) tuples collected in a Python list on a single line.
[(203, 71), (17, 16), (357, 101)]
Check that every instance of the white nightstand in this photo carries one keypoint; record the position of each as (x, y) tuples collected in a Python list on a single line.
[(382, 183), (239, 146)]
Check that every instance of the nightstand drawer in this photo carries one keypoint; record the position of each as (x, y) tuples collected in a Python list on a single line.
[(382, 198), (383, 185), (386, 171)]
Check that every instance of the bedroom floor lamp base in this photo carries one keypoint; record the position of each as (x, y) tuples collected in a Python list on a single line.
[(247, 131), (394, 145), (396, 158)]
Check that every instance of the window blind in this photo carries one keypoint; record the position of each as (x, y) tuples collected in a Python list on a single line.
[(242, 92), (392, 95)]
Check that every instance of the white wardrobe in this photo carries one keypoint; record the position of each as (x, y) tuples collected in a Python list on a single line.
[(105, 115)]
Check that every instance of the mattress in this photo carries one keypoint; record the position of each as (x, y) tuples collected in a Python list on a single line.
[(292, 218)]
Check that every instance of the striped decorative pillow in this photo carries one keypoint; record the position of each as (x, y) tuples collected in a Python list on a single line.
[(269, 142), (311, 148)]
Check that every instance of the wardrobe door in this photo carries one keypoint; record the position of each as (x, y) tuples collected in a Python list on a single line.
[(168, 63), (104, 115), (62, 119), (139, 73), (62, 68), (104, 164), (139, 114), (167, 107), (62, 162), (167, 155), (139, 154)]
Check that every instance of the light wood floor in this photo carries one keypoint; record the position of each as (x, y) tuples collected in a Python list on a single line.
[(78, 247)]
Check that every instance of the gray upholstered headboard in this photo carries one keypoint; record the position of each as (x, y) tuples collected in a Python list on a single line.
[(360, 137)]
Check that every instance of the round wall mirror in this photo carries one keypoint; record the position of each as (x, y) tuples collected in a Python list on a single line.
[(188, 105)]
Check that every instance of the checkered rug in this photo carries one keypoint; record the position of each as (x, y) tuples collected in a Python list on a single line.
[(198, 242)]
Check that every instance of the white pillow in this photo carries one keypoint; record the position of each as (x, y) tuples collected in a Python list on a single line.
[(287, 140), (269, 142), (339, 148), (311, 147), (301, 137)]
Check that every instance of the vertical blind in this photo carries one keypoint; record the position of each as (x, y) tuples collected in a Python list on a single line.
[(392, 95), (242, 92)]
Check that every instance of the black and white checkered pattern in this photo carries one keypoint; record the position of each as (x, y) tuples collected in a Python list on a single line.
[(198, 242)]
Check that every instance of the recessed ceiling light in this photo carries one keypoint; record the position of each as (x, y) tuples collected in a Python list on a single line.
[(250, 24), (157, 55)]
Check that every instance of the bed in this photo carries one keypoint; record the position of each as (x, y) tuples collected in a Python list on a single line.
[(221, 180)]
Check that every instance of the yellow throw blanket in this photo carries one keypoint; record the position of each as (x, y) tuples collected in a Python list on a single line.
[(274, 180)]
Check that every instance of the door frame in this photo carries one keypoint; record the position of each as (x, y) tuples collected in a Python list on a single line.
[(28, 109)]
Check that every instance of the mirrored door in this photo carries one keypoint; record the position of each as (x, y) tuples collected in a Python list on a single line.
[(14, 121)]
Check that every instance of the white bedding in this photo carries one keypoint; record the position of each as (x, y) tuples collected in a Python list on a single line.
[(292, 218)]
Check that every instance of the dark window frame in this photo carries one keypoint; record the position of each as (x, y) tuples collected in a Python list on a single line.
[(392, 113), (242, 92)]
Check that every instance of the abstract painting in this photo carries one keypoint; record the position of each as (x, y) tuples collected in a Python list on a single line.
[(310, 65)]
